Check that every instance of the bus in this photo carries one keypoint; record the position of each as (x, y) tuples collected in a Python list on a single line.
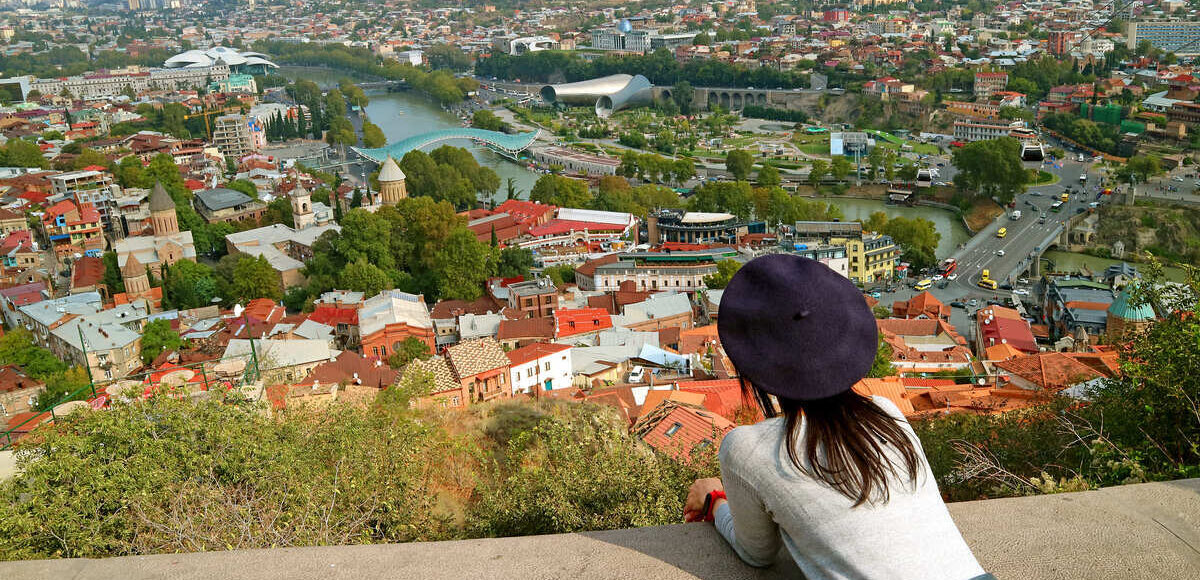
[(1056, 206), (1082, 178), (948, 266)]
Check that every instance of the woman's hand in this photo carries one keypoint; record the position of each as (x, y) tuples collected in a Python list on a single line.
[(693, 507)]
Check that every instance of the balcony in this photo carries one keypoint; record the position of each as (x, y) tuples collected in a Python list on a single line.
[(1147, 531)]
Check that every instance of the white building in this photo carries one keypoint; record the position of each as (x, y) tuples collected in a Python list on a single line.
[(540, 366)]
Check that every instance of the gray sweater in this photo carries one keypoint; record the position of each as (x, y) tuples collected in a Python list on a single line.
[(911, 537)]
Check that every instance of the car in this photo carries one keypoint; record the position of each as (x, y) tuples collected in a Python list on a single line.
[(972, 302), (936, 277), (637, 374), (999, 252), (1022, 280), (941, 165), (952, 277), (1035, 193), (1000, 233), (957, 304), (943, 284), (1177, 178), (1094, 204), (1021, 292), (1006, 286), (876, 295)]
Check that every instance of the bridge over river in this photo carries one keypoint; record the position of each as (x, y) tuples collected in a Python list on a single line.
[(509, 145)]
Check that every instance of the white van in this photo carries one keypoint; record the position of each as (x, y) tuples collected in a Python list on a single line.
[(637, 375)]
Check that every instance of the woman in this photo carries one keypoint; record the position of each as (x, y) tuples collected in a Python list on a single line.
[(837, 478)]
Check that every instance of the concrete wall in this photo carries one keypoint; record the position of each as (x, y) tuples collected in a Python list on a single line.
[(1148, 531)]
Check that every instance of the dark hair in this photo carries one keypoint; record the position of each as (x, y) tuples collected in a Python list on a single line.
[(850, 431)]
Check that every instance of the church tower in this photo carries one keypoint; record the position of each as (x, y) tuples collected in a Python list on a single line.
[(137, 281), (302, 211), (391, 183), (162, 212)]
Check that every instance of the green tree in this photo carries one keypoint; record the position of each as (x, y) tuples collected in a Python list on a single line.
[(372, 135), (768, 176), (485, 119), (158, 336), (17, 347), (739, 163), (462, 266), (992, 168), (250, 277), (63, 386), (1139, 169), (817, 171), (245, 186), (410, 349), (725, 270), (561, 191), (187, 284), (882, 365), (279, 211), (840, 167), (363, 276), (515, 261), (683, 94), (112, 274), (735, 197)]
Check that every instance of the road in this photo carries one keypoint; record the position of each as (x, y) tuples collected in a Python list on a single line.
[(1023, 236)]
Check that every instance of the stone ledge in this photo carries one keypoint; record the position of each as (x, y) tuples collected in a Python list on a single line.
[(1147, 531)]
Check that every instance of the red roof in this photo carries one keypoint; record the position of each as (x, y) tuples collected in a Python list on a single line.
[(685, 429), (89, 271), (1001, 328), (723, 397), (534, 351), (578, 321), (524, 210), (333, 315), (556, 227)]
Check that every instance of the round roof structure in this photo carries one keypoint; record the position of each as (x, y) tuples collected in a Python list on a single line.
[(390, 171), (217, 55)]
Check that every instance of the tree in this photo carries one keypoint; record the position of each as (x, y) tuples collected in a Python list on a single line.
[(250, 277), (739, 163), (683, 94), (515, 261), (735, 197), (485, 119), (363, 276), (768, 176), (22, 153), (462, 265), (840, 168), (1138, 169), (279, 211), (113, 280), (245, 186), (725, 270), (372, 135), (158, 336), (411, 349), (187, 284), (993, 168), (63, 386), (561, 191), (817, 171), (918, 238), (882, 365), (17, 347)]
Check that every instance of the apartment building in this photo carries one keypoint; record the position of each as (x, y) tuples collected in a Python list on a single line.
[(683, 271), (1179, 36), (231, 136)]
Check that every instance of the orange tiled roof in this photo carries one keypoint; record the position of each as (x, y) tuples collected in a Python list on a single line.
[(1050, 370)]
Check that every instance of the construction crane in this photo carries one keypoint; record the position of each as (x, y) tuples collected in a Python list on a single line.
[(208, 113)]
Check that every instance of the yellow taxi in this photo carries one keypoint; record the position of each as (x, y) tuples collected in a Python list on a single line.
[(986, 283), (1000, 233), (923, 284)]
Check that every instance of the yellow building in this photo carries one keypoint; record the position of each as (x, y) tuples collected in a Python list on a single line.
[(873, 257)]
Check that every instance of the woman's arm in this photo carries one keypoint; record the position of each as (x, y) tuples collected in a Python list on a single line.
[(744, 522)]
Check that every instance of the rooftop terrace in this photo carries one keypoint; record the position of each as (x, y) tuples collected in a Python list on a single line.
[(1131, 532)]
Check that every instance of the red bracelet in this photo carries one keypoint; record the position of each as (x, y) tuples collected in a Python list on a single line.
[(713, 496)]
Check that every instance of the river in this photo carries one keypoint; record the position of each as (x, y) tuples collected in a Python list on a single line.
[(403, 114), (946, 222), (1071, 262)]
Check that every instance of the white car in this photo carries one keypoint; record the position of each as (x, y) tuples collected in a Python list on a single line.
[(1021, 292), (999, 252), (936, 277), (952, 277)]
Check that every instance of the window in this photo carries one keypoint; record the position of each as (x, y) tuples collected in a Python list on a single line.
[(546, 366), (529, 372), (454, 401), (674, 429)]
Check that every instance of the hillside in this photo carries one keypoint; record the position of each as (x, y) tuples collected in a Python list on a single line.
[(1167, 231)]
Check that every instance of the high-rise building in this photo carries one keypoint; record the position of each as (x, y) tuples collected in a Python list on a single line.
[(231, 136), (1179, 36)]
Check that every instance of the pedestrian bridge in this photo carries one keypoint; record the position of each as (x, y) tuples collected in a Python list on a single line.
[(508, 144)]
